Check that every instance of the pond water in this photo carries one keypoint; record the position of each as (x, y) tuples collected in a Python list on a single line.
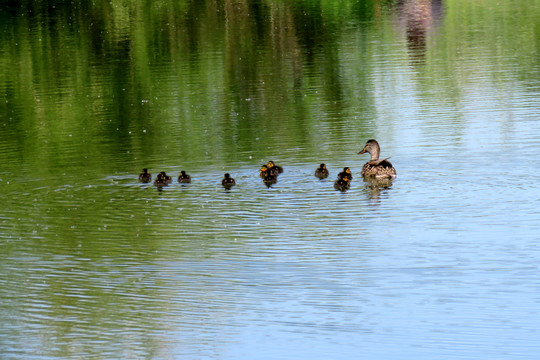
[(442, 263)]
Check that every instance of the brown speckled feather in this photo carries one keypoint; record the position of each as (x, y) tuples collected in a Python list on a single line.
[(381, 169), (375, 167)]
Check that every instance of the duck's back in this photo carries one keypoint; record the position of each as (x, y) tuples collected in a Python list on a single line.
[(382, 169)]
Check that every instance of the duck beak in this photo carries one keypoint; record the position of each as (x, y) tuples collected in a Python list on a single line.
[(363, 151)]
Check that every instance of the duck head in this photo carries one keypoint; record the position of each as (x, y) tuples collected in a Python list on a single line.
[(372, 147)]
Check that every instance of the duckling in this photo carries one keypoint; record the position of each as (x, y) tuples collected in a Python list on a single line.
[(270, 179), (160, 180), (346, 172), (228, 181), (271, 165), (264, 171), (145, 176), (375, 167), (165, 177), (184, 178), (321, 172), (342, 183)]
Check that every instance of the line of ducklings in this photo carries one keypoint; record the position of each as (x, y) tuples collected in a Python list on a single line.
[(162, 179), (268, 173), (373, 169)]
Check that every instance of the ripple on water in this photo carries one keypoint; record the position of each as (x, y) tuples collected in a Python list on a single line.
[(299, 258)]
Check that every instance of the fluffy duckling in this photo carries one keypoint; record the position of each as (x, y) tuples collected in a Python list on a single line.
[(270, 179), (322, 172), (184, 178), (342, 183), (264, 171), (228, 181), (145, 176), (375, 167), (161, 180), (273, 167), (165, 177), (346, 172)]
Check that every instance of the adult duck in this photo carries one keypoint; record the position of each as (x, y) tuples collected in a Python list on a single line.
[(375, 167)]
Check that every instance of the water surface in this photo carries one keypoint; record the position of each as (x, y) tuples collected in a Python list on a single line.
[(441, 264)]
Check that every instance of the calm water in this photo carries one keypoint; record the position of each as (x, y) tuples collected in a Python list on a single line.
[(441, 264)]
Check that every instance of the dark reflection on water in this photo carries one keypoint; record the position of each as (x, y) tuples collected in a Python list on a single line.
[(419, 18), (375, 188), (440, 263)]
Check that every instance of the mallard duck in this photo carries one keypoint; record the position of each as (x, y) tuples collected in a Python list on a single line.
[(346, 172), (263, 172), (165, 177), (161, 180), (228, 181), (273, 167), (145, 176), (184, 178), (266, 171), (342, 183), (270, 179), (321, 172), (375, 167)]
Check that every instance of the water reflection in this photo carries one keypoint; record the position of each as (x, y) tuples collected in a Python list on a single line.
[(419, 18), (375, 186)]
